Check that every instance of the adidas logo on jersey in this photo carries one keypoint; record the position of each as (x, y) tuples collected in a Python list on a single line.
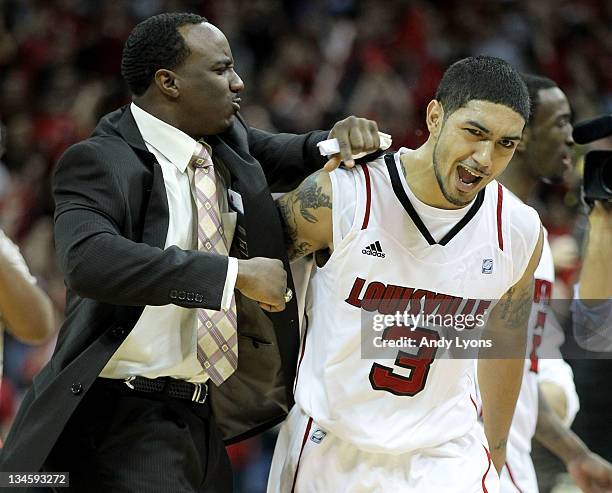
[(374, 249)]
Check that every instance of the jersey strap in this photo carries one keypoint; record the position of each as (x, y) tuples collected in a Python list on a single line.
[(366, 214), (500, 201)]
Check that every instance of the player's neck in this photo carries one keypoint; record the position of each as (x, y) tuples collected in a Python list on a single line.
[(420, 176), (517, 179)]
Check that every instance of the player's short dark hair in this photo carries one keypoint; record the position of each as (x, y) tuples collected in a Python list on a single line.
[(154, 44), (483, 78), (535, 83)]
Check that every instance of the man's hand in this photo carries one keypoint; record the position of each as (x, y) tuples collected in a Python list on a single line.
[(263, 280), (354, 135), (591, 473)]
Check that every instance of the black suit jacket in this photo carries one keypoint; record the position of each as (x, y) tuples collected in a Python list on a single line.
[(111, 221)]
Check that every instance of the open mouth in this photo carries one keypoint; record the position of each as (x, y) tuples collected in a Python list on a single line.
[(467, 180), (567, 161)]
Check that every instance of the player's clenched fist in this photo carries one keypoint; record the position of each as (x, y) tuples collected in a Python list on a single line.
[(263, 280)]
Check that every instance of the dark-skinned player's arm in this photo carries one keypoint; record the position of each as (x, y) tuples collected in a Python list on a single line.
[(500, 379), (591, 473), (306, 213)]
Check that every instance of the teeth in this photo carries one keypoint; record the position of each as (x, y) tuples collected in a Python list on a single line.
[(470, 172)]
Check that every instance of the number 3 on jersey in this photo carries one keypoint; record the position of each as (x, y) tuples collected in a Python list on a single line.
[(384, 378)]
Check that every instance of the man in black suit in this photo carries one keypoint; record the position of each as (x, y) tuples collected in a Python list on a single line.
[(126, 403)]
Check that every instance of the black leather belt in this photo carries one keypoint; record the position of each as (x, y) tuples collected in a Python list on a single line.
[(195, 392)]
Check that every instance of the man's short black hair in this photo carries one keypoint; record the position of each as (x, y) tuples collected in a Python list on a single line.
[(483, 78), (154, 44), (535, 83)]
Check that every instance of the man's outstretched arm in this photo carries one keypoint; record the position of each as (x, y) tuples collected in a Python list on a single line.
[(591, 472), (288, 159), (306, 213), (500, 379)]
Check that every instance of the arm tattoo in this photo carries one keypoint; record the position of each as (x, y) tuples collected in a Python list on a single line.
[(507, 303), (311, 196), (515, 311), (295, 248), (308, 196), (501, 445)]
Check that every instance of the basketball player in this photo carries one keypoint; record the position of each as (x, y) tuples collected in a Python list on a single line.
[(405, 232), (547, 402)]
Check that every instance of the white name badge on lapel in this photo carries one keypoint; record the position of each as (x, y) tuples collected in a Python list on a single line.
[(235, 200)]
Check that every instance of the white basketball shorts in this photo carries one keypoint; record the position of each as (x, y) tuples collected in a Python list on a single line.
[(308, 459), (518, 475)]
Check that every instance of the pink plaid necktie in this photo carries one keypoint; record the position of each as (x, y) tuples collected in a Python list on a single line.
[(217, 336)]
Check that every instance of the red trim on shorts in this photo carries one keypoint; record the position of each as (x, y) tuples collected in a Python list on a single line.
[(306, 433), (475, 406), (297, 372), (500, 201), (366, 216), (484, 488), (512, 478)]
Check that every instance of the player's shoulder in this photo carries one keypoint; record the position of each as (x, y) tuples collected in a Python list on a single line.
[(348, 181), (375, 166), (523, 219), (522, 225)]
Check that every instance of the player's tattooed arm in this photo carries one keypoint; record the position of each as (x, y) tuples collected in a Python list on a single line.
[(306, 213), (312, 194), (499, 447), (500, 367), (514, 308)]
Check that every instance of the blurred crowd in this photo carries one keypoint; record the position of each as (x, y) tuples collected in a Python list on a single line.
[(304, 64)]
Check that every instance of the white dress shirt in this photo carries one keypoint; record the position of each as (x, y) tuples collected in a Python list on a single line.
[(164, 340)]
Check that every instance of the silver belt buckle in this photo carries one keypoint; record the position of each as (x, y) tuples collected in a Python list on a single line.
[(200, 393), (128, 381)]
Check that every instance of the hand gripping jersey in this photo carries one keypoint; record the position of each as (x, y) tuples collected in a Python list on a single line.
[(391, 253)]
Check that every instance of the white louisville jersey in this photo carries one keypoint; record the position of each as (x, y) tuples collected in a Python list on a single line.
[(392, 252)]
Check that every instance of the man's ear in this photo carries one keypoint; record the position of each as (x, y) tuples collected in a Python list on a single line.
[(435, 116), (522, 145), (166, 81)]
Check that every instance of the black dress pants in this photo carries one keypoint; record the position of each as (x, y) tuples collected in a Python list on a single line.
[(124, 441)]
